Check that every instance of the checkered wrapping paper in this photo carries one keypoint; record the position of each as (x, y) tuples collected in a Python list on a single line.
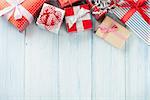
[(136, 23), (31, 5), (83, 23)]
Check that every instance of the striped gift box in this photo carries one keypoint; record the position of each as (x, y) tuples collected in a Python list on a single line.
[(82, 23), (136, 23)]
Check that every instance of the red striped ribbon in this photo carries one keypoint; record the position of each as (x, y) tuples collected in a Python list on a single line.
[(139, 6)]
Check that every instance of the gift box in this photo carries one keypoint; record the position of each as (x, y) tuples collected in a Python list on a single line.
[(113, 32), (78, 18), (136, 16), (100, 8), (50, 18), (20, 12), (64, 3)]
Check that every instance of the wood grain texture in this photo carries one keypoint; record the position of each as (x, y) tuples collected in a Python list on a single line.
[(75, 65), (11, 62), (41, 61), (137, 70), (39, 65)]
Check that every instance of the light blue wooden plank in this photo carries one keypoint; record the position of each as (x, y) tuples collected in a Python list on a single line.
[(11, 61), (15, 98), (108, 71), (75, 65), (41, 61), (49, 98), (137, 70)]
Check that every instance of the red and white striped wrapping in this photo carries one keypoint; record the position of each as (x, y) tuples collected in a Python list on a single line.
[(136, 23), (82, 23)]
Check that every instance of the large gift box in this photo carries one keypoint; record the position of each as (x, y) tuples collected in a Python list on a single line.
[(64, 3), (50, 18), (20, 12), (136, 15), (78, 18), (112, 32)]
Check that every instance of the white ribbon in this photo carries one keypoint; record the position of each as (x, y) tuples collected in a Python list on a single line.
[(17, 9), (81, 13)]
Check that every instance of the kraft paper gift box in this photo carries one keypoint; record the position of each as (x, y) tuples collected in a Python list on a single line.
[(64, 3), (50, 18), (112, 32), (78, 18), (136, 16), (20, 12)]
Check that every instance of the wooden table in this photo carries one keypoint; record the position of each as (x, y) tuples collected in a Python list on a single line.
[(39, 65)]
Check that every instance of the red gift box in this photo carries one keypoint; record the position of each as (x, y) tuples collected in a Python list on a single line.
[(64, 3), (20, 12), (78, 18)]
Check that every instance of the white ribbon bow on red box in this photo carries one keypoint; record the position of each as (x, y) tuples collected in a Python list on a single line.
[(78, 18), (17, 9), (81, 13)]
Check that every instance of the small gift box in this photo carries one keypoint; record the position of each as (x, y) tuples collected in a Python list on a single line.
[(20, 12), (64, 3), (112, 32), (136, 15), (50, 18), (78, 18), (100, 7)]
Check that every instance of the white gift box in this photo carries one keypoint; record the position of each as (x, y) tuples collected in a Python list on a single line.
[(50, 18)]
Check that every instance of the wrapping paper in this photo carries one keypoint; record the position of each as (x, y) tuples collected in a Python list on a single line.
[(136, 23), (64, 3), (50, 18), (113, 32), (83, 22), (30, 5), (100, 9)]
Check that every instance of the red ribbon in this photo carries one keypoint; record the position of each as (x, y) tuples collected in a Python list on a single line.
[(139, 6), (114, 30)]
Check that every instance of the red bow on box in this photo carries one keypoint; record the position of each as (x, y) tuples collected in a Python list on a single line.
[(139, 6), (113, 29)]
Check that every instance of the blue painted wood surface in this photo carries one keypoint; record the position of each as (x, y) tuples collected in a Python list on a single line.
[(39, 65)]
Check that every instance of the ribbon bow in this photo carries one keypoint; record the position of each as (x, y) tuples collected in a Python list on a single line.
[(106, 30), (17, 9), (139, 6), (81, 13)]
